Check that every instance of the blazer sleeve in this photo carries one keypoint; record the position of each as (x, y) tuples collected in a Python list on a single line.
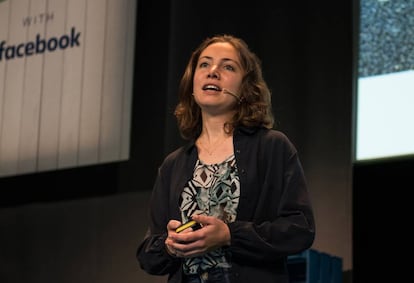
[(151, 253), (281, 220)]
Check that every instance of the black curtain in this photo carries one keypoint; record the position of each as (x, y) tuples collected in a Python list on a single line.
[(306, 53)]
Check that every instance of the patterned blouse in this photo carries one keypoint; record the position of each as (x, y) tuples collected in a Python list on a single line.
[(214, 190)]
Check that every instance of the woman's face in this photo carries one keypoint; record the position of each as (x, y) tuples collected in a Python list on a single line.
[(218, 72)]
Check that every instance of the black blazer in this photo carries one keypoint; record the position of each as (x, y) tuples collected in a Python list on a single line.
[(274, 216)]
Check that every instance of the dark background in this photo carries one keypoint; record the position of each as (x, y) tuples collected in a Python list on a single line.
[(308, 52)]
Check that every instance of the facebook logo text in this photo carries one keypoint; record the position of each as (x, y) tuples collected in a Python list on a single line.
[(39, 45)]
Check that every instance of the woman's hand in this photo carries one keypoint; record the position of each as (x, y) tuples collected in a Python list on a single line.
[(169, 243), (188, 243)]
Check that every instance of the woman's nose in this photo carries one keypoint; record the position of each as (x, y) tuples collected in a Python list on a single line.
[(213, 73)]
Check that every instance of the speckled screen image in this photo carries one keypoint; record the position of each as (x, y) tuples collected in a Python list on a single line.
[(386, 36), (385, 84)]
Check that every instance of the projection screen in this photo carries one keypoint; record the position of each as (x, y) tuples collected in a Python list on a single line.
[(385, 92), (66, 71)]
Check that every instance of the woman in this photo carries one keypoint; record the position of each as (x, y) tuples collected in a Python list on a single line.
[(238, 178)]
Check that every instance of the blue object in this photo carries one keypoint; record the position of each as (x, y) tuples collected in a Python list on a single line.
[(312, 266)]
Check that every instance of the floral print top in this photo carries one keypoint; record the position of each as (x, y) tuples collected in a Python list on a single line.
[(214, 190)]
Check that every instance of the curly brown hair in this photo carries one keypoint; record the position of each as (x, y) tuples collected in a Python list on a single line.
[(254, 109)]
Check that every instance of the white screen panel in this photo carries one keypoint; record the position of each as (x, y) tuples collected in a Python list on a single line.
[(4, 36), (52, 87), (128, 81), (13, 88), (66, 68), (29, 129), (92, 86), (71, 88), (111, 115)]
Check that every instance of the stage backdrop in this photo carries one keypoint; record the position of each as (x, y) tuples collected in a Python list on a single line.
[(66, 70)]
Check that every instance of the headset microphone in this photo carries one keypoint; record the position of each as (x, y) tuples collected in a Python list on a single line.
[(225, 90)]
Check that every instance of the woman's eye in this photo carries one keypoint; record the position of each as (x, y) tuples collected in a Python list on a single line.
[(203, 65), (229, 67)]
